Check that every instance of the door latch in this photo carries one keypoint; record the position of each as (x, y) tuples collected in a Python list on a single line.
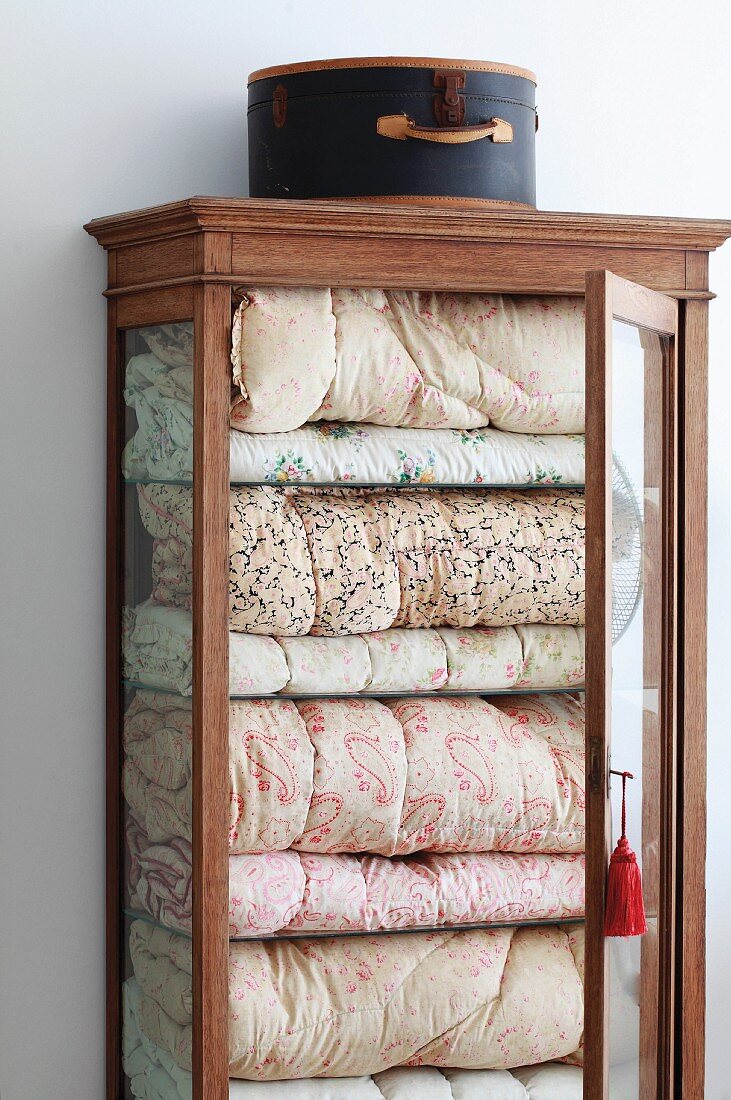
[(449, 105)]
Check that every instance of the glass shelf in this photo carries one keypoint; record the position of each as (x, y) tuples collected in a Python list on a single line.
[(156, 481), (446, 486), (338, 934), (134, 685)]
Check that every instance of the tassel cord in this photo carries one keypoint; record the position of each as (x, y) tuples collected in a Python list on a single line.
[(625, 911)]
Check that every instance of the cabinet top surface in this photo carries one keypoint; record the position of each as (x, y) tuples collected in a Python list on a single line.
[(363, 219)]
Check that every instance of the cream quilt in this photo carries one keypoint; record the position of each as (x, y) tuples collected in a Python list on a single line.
[(153, 1075), (484, 999), (158, 652), (459, 774), (334, 562), (408, 358)]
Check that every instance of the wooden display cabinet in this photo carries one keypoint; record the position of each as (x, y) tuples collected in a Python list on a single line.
[(645, 281)]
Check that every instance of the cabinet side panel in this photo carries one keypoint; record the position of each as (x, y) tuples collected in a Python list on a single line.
[(155, 307), (692, 704), (696, 270), (113, 707), (157, 260)]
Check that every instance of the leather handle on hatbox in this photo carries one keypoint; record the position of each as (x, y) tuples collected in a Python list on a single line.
[(402, 127)]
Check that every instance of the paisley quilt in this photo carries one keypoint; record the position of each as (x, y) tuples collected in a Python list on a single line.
[(295, 892), (391, 777)]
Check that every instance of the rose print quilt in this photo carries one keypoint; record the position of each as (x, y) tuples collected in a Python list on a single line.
[(392, 777), (153, 1075), (352, 454), (408, 358), (297, 892), (477, 999), (158, 652), (345, 561)]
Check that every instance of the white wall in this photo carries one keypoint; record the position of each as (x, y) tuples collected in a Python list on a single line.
[(111, 106)]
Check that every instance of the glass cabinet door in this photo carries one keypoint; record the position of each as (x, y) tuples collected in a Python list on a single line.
[(631, 504), (156, 724)]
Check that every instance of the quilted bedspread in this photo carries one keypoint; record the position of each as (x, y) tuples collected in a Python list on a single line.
[(154, 1075), (479, 999), (158, 652), (459, 774), (551, 1081), (411, 358), (338, 561), (294, 891)]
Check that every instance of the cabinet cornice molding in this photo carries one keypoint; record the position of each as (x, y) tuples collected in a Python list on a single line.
[(366, 219)]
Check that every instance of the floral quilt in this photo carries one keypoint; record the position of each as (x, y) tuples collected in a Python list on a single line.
[(408, 358), (153, 1075), (161, 447)]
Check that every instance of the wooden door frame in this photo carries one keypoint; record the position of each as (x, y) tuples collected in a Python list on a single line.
[(609, 298), (211, 493), (692, 691)]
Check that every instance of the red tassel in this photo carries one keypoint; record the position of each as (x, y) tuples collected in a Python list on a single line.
[(625, 912)]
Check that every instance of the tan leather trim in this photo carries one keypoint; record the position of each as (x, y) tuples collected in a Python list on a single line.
[(438, 200), (401, 127), (391, 63)]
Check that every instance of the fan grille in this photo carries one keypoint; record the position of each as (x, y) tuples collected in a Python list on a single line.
[(626, 550)]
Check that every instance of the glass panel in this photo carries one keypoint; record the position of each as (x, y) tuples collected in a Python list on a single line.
[(157, 886), (408, 486), (339, 933), (138, 685), (638, 359), (429, 488)]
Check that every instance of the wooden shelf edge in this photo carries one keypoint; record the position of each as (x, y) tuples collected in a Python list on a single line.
[(235, 280)]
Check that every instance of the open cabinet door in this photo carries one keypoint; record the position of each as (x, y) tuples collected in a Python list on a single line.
[(631, 721)]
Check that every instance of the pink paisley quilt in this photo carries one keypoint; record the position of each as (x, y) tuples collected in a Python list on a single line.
[(460, 774), (484, 999), (338, 561), (407, 358), (296, 892)]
